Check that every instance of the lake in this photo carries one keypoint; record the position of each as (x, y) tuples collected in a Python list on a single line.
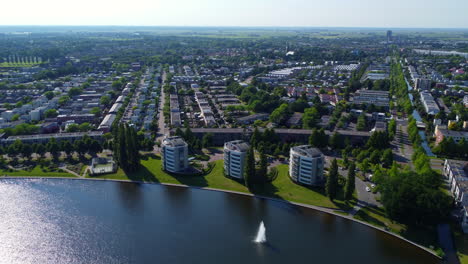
[(77, 221)]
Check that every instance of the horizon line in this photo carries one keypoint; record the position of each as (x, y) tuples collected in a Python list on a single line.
[(247, 27)]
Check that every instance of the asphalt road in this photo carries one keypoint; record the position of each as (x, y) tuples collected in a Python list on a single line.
[(161, 124), (365, 198)]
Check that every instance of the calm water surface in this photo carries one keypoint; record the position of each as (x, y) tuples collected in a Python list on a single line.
[(72, 221)]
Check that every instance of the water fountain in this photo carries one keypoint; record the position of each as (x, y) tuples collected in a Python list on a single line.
[(261, 235)]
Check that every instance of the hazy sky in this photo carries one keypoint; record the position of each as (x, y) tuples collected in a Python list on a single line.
[(315, 13)]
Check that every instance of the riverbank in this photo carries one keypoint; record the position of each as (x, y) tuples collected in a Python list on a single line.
[(332, 211)]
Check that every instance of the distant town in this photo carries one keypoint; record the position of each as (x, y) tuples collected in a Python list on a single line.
[(368, 124)]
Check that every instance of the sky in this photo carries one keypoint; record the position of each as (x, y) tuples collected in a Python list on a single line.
[(250, 13)]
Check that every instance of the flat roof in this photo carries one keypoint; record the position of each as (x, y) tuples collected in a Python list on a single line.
[(237, 145), (174, 142), (307, 150)]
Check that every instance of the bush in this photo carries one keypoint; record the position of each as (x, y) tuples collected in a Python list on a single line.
[(272, 174), (440, 253)]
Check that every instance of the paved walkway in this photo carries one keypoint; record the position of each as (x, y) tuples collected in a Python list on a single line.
[(365, 198), (445, 241), (74, 173)]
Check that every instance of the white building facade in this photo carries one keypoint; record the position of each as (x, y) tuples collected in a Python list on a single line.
[(174, 154), (306, 165), (234, 158)]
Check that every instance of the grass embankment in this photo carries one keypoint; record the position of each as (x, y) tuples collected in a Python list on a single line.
[(461, 242), (280, 188), (425, 236), (16, 65), (36, 171), (151, 171)]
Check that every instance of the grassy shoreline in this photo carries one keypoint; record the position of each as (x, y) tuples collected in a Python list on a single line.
[(36, 171), (281, 188)]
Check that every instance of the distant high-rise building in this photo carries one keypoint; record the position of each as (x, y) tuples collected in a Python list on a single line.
[(389, 36)]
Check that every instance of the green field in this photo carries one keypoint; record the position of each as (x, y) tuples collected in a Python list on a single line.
[(281, 188), (36, 171), (16, 65)]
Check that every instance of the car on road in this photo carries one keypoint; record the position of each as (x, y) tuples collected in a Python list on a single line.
[(373, 186), (367, 189)]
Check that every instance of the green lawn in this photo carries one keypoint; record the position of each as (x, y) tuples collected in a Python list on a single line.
[(36, 171), (461, 242), (13, 65), (284, 188), (281, 188), (151, 172)]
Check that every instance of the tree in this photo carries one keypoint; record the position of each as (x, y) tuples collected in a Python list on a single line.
[(39, 149), (336, 141), (53, 148), (207, 140), (375, 156), (310, 118), (50, 113), (67, 147), (126, 148), (364, 165), (280, 114), (314, 138), (331, 186), (80, 147), (408, 198), (63, 100), (49, 95), (350, 182), (361, 123), (15, 117), (72, 128), (179, 132), (85, 127), (96, 111), (27, 151), (75, 91), (318, 138), (255, 138), (391, 129), (11, 151), (263, 170), (387, 158), (378, 140), (95, 147), (249, 171), (105, 100)]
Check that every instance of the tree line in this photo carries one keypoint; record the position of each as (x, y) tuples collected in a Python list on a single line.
[(126, 149), (55, 148)]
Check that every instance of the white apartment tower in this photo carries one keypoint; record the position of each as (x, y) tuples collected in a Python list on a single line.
[(174, 154), (234, 158), (306, 165)]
